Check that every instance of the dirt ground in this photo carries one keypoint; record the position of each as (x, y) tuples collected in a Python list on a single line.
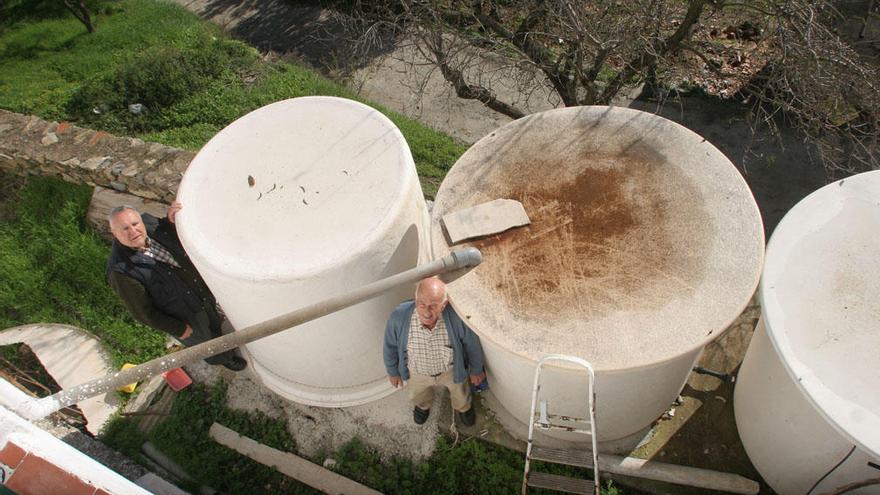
[(780, 172)]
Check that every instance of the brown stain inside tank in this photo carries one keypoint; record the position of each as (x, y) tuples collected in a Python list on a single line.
[(609, 239)]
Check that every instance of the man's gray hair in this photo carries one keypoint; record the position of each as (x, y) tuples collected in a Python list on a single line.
[(119, 209)]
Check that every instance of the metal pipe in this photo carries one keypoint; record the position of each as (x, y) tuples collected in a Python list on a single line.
[(724, 377), (35, 409)]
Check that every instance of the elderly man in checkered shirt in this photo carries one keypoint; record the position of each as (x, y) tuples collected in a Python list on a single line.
[(427, 345), (156, 281)]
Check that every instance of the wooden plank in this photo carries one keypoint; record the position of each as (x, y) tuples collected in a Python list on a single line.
[(681, 475), (651, 470), (291, 465), (560, 483)]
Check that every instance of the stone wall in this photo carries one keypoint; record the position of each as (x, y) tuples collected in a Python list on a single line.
[(32, 146)]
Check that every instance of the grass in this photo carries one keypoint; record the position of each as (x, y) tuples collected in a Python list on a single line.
[(52, 267), (191, 77), (183, 436), (50, 66)]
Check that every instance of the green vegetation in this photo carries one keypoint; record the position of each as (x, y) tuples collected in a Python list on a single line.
[(52, 267), (184, 438), (472, 467), (189, 76)]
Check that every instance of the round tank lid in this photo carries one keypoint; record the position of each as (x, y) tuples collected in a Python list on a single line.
[(645, 241), (819, 294), (286, 190)]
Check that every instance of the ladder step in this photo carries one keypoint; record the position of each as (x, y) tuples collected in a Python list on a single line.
[(557, 426), (561, 417), (573, 419), (570, 457), (560, 483)]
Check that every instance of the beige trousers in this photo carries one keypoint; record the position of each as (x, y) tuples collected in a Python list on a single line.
[(421, 390)]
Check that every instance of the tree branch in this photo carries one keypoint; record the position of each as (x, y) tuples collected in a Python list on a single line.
[(649, 57), (467, 91), (81, 12), (522, 39)]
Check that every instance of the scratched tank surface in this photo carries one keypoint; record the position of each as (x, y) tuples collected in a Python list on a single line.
[(645, 243)]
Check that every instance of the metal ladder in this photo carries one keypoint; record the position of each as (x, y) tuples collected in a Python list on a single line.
[(544, 421)]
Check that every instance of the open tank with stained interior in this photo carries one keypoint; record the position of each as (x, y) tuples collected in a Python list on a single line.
[(645, 244)]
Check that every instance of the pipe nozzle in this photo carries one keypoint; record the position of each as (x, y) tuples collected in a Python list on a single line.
[(467, 257)]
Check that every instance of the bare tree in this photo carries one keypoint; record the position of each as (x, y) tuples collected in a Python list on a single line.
[(79, 10), (817, 79), (783, 56)]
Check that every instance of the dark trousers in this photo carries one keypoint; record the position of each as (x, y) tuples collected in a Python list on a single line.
[(207, 326)]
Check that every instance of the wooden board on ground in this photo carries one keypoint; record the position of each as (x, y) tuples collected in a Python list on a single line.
[(156, 411), (291, 465)]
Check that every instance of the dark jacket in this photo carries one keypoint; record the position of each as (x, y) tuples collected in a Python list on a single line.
[(467, 352), (157, 294)]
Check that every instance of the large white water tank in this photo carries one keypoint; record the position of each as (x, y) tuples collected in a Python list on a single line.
[(807, 401), (293, 203), (645, 244)]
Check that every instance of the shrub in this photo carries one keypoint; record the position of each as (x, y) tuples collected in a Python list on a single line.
[(157, 78), (123, 435)]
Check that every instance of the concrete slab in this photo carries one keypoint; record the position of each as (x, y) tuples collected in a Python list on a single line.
[(492, 217), (145, 394), (156, 411), (72, 357)]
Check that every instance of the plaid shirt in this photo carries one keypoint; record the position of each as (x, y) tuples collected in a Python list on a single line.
[(429, 351), (159, 253)]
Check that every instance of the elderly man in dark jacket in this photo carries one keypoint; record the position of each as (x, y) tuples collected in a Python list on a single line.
[(150, 271)]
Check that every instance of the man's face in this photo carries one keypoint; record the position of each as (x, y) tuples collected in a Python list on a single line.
[(128, 228), (430, 305)]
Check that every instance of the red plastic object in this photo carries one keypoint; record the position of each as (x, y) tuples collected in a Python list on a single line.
[(177, 379)]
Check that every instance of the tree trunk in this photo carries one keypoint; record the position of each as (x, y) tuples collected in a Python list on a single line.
[(647, 59), (81, 12)]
